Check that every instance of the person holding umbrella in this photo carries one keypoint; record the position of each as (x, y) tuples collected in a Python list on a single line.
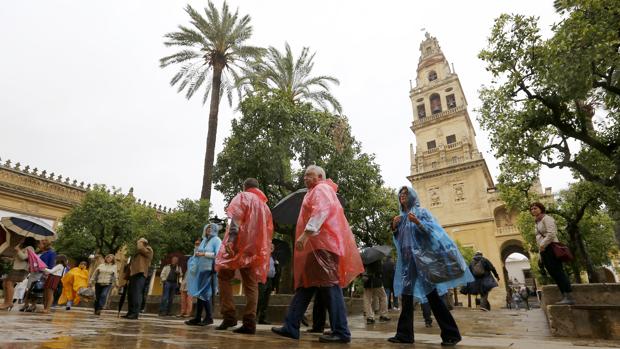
[(246, 247), (326, 258), (19, 272), (373, 284), (429, 263), (200, 276)]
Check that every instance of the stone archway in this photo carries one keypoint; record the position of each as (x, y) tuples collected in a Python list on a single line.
[(509, 247)]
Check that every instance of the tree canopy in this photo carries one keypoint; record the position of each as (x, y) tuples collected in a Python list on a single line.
[(555, 102), (107, 221), (276, 139)]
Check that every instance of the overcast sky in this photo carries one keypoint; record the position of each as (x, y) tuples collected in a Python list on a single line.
[(82, 94)]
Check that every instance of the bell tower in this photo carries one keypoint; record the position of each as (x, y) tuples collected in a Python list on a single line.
[(447, 170)]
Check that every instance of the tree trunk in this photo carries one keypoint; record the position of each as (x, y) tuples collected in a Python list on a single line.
[(592, 275), (207, 178)]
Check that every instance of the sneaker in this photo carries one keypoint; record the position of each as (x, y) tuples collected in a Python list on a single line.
[(450, 342)]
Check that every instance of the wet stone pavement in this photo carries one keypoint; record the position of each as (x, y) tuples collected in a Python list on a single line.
[(79, 328)]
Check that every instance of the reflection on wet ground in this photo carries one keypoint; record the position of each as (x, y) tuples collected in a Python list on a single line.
[(78, 328)]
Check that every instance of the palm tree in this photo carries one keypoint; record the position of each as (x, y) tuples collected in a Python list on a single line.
[(277, 71), (212, 46)]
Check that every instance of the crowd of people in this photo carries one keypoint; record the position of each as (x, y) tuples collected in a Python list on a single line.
[(326, 260)]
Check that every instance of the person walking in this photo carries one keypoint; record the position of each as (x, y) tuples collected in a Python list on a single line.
[(171, 275), (373, 288), (326, 258), (246, 247), (484, 282), (104, 278), (19, 272), (429, 263), (201, 277), (388, 283), (138, 269), (264, 291), (546, 235)]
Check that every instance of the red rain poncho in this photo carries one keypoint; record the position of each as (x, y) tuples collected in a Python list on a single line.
[(330, 257), (252, 245)]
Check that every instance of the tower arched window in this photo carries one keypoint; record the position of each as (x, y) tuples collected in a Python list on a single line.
[(432, 75), (435, 103), (451, 101), (421, 111)]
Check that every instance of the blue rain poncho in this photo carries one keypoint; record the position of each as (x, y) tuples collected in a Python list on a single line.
[(427, 257), (201, 278)]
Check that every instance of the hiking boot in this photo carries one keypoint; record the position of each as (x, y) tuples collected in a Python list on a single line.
[(226, 324)]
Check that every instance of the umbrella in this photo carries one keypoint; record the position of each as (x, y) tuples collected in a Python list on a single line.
[(286, 211), (29, 226), (374, 253), (281, 251)]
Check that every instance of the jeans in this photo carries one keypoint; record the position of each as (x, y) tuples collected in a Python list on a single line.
[(101, 295), (332, 296), (167, 297), (556, 270), (135, 291), (449, 329)]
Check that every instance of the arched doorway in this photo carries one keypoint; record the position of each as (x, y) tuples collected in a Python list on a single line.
[(516, 266)]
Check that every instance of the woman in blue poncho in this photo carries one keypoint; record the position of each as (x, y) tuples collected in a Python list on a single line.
[(429, 264), (201, 278)]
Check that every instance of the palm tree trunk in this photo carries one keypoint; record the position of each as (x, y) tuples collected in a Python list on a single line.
[(207, 178)]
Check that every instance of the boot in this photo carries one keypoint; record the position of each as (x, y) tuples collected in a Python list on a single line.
[(566, 300)]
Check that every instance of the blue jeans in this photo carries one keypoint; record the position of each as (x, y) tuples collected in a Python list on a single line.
[(167, 298), (101, 295), (332, 297)]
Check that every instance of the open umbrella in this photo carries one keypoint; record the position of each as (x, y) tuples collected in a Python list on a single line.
[(286, 211), (374, 253), (29, 226)]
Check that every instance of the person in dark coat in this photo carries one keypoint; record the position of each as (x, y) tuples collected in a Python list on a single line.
[(373, 287), (388, 283), (484, 282)]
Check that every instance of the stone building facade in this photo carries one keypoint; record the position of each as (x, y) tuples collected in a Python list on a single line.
[(449, 172)]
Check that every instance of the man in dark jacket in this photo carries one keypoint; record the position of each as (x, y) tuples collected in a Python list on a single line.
[(388, 282), (482, 268)]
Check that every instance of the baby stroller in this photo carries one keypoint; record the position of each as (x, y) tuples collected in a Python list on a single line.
[(34, 293)]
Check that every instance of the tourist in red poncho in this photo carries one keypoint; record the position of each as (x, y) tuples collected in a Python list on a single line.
[(326, 258), (247, 248)]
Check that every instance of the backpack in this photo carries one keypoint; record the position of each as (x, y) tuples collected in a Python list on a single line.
[(524, 293), (478, 268)]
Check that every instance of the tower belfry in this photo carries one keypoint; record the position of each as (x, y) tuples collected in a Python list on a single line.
[(447, 169)]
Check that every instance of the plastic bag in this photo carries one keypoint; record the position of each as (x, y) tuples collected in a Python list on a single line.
[(439, 265), (86, 292)]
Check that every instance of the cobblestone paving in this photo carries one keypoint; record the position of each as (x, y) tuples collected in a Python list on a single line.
[(78, 328)]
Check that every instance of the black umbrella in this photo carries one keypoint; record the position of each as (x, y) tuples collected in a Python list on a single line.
[(286, 211), (281, 251), (374, 253)]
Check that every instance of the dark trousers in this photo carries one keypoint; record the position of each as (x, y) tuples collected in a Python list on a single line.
[(319, 312), (335, 306), (167, 297), (136, 290), (264, 293), (57, 294), (101, 295), (556, 270), (206, 306), (391, 296), (449, 329)]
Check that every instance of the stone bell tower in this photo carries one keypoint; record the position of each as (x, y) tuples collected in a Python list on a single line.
[(447, 170)]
